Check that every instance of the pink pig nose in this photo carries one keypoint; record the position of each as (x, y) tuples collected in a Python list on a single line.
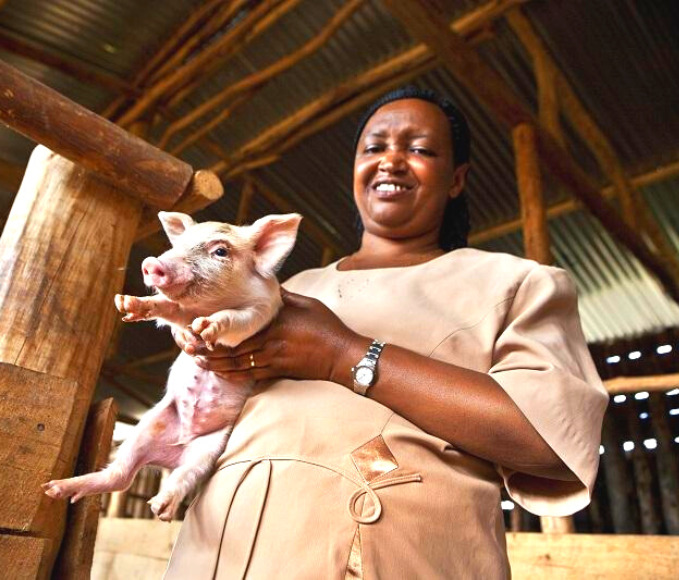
[(154, 272)]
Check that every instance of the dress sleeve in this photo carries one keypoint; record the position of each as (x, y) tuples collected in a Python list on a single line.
[(541, 360)]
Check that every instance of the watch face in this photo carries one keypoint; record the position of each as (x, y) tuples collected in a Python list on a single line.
[(364, 376)]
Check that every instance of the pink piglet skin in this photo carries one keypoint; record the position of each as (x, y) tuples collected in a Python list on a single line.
[(219, 280)]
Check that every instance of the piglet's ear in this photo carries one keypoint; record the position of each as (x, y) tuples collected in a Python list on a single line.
[(175, 223), (275, 237)]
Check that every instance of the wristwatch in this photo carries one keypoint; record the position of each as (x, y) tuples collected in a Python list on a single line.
[(365, 372)]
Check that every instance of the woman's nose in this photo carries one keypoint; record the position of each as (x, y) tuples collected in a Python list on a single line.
[(392, 161)]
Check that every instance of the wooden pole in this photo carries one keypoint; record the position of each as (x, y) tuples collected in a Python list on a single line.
[(666, 461), (535, 240), (650, 522), (63, 254), (618, 481), (130, 163), (426, 22), (529, 181)]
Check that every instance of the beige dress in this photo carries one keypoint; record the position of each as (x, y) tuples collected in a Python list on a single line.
[(320, 483)]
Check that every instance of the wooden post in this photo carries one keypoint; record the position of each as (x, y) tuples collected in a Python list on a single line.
[(529, 181), (63, 254), (650, 522), (535, 239), (666, 460), (618, 481)]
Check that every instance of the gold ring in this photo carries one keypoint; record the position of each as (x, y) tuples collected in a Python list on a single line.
[(252, 360)]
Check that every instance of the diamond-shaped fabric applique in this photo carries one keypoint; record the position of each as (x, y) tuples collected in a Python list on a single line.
[(374, 458)]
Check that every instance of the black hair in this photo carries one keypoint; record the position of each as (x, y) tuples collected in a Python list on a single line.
[(455, 226)]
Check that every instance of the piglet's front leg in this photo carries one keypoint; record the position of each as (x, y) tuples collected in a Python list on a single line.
[(136, 308), (231, 327)]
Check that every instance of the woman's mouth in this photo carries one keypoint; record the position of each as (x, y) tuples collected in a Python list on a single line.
[(391, 190)]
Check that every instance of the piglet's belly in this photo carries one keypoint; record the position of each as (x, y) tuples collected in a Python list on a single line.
[(205, 401)]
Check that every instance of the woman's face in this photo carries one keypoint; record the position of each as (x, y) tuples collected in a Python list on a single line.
[(403, 171)]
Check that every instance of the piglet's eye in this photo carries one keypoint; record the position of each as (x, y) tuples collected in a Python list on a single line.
[(221, 252)]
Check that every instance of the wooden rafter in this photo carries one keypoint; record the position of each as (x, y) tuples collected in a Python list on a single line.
[(635, 211), (270, 18), (68, 66), (204, 62), (254, 82), (349, 96), (657, 175), (424, 22)]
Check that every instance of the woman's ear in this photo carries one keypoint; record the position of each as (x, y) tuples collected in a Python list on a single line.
[(459, 180)]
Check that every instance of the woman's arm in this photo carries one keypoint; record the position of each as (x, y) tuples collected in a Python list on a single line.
[(466, 408)]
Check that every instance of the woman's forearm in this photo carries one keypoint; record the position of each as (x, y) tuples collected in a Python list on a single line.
[(466, 408)]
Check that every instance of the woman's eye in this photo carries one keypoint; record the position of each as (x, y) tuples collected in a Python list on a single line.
[(422, 151), (372, 148), (221, 252)]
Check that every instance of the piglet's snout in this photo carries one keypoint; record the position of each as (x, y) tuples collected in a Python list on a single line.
[(155, 273)]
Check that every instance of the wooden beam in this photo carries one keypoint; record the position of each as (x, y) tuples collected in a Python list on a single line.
[(205, 188), (652, 383), (49, 118), (206, 60), (564, 207), (68, 66), (205, 22), (424, 21), (254, 82), (345, 98), (634, 208), (281, 8)]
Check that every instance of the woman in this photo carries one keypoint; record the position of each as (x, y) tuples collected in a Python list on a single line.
[(360, 460)]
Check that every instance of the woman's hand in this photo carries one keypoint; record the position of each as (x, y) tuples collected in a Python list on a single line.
[(305, 341)]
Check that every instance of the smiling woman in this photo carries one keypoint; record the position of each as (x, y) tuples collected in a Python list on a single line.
[(401, 388)]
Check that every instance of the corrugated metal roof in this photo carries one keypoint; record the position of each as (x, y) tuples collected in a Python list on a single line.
[(619, 56)]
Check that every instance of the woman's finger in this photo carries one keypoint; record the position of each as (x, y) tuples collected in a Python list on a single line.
[(230, 364)]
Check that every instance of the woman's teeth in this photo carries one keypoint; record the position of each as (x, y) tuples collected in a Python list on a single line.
[(390, 187)]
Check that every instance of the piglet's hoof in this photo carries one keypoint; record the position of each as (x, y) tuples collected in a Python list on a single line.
[(62, 489), (164, 505)]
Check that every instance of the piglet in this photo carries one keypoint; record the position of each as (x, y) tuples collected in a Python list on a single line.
[(218, 282)]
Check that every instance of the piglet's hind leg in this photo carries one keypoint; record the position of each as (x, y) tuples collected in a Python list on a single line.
[(196, 463), (136, 451)]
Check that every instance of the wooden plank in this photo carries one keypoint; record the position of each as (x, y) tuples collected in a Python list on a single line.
[(589, 556), (77, 548), (623, 385), (35, 412), (23, 557), (47, 117)]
